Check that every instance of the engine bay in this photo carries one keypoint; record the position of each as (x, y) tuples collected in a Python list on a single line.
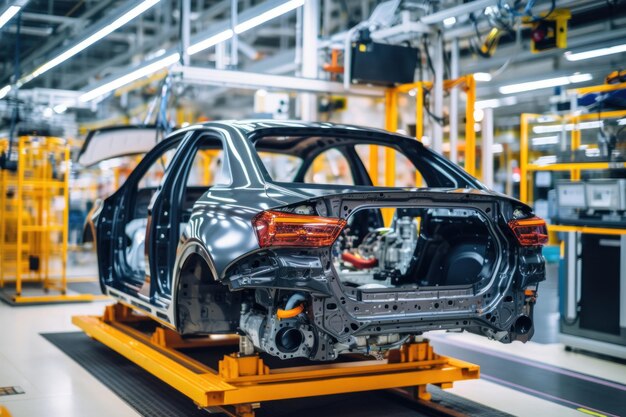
[(421, 248)]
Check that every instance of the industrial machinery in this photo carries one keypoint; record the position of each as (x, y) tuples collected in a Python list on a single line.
[(34, 214), (592, 217), (573, 170)]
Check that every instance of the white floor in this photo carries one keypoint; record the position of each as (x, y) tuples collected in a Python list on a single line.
[(54, 384), (57, 386)]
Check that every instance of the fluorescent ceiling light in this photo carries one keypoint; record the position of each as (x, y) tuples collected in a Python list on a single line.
[(449, 21), (545, 140), (495, 102), (547, 83), (8, 14), (59, 108), (118, 23), (191, 50), (130, 77), (4, 91), (482, 76), (546, 160), (621, 122), (497, 148), (209, 42), (268, 15), (579, 56), (568, 127)]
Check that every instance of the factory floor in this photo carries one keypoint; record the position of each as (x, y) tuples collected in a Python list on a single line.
[(55, 385)]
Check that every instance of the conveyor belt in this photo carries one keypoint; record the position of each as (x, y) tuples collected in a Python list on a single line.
[(562, 386), (151, 397)]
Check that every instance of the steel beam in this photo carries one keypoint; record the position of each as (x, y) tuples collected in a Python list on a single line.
[(234, 41), (185, 30), (250, 80), (487, 147), (310, 32), (454, 102), (41, 17), (459, 10)]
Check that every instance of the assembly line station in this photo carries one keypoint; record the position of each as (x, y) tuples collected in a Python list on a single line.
[(527, 96)]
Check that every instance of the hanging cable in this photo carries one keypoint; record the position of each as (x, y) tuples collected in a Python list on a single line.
[(162, 121)]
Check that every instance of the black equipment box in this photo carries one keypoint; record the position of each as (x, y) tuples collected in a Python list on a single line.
[(382, 64)]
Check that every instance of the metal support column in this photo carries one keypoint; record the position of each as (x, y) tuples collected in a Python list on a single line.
[(470, 133), (438, 93), (220, 56), (185, 30), (310, 32), (454, 102), (487, 147), (234, 41), (523, 150)]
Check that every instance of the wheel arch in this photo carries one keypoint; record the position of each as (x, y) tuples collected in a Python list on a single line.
[(193, 251)]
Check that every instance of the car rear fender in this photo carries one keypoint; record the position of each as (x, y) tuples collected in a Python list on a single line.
[(190, 248)]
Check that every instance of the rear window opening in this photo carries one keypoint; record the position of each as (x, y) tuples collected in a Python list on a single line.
[(423, 247), (331, 160)]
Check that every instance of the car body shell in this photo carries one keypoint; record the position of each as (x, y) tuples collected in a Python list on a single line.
[(220, 232)]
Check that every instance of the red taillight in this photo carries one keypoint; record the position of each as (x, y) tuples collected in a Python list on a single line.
[(530, 232), (275, 228)]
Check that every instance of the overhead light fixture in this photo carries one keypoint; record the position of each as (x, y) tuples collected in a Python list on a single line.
[(8, 14), (449, 21), (191, 50), (545, 140), (568, 127), (87, 42), (482, 76), (547, 83), (4, 91), (546, 160), (268, 15), (60, 108), (495, 103), (595, 53), (209, 42), (130, 77)]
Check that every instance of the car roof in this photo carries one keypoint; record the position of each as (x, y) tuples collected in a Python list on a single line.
[(251, 125)]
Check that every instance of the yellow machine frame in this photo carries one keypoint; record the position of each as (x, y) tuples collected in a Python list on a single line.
[(575, 168), (466, 82), (35, 220), (241, 382)]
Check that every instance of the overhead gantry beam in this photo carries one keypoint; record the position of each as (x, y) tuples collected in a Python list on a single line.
[(253, 81)]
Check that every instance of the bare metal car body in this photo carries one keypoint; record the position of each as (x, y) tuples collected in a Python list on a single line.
[(241, 256)]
